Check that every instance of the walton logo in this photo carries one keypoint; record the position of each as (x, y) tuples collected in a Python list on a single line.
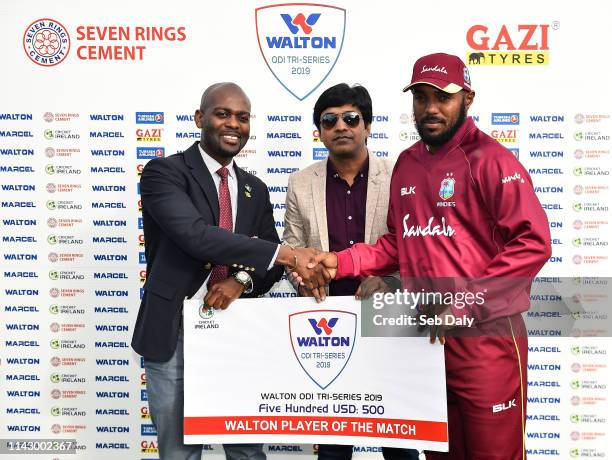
[(323, 325), (302, 21), (300, 43), (322, 342)]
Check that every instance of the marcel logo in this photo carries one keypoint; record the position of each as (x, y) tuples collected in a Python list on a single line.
[(509, 44)]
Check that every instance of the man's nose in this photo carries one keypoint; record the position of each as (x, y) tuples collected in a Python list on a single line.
[(232, 121), (431, 106), (341, 125)]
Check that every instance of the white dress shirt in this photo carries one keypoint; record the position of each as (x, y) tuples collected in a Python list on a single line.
[(213, 166), (232, 181)]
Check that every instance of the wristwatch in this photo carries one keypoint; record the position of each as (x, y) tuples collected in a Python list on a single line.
[(245, 279)]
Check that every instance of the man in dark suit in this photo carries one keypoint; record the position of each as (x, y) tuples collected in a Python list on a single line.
[(202, 215)]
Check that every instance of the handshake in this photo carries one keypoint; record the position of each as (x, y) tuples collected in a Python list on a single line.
[(310, 268)]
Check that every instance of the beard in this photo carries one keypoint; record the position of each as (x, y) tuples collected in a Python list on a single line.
[(438, 140), (225, 153), (210, 143)]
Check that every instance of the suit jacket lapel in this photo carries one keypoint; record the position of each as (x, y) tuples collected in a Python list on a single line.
[(246, 205), (318, 183), (372, 197), (193, 159)]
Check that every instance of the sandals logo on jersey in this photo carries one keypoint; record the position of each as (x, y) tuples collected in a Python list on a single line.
[(509, 44), (300, 43), (322, 342), (46, 42)]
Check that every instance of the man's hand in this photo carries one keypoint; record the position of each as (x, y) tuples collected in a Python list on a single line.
[(443, 312), (328, 267), (370, 285), (311, 275), (297, 283), (223, 293), (303, 292), (328, 260)]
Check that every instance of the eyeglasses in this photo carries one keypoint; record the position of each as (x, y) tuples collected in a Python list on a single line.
[(329, 120)]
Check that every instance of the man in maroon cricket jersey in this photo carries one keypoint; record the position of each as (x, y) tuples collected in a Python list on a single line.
[(463, 215)]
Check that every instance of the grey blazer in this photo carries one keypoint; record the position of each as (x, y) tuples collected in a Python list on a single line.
[(306, 207)]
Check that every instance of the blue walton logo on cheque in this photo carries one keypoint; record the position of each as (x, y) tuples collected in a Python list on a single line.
[(322, 342), (300, 43)]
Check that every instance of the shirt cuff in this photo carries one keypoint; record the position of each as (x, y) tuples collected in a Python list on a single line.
[(346, 266), (274, 257)]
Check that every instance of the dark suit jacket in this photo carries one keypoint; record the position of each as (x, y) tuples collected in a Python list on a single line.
[(180, 211)]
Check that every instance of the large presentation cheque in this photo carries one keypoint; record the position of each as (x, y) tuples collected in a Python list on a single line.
[(294, 371)]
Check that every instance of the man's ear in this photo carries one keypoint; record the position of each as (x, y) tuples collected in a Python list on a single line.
[(368, 129), (469, 98), (198, 118)]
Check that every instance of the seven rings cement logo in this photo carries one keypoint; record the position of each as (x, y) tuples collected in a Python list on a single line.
[(300, 43), (323, 341), (46, 42)]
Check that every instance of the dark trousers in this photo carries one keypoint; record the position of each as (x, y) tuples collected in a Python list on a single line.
[(338, 452)]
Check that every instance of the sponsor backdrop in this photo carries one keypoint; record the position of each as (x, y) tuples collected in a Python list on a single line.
[(91, 92)]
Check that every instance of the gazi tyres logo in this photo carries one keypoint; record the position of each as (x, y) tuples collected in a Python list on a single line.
[(509, 44), (322, 341), (300, 43)]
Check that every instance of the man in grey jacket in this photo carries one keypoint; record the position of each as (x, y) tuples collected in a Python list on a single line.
[(340, 201)]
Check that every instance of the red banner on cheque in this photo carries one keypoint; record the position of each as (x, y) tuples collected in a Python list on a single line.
[(368, 427)]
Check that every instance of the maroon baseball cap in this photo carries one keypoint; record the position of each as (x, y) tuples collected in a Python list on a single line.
[(444, 71)]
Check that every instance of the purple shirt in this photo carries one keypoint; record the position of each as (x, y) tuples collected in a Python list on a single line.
[(346, 208)]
